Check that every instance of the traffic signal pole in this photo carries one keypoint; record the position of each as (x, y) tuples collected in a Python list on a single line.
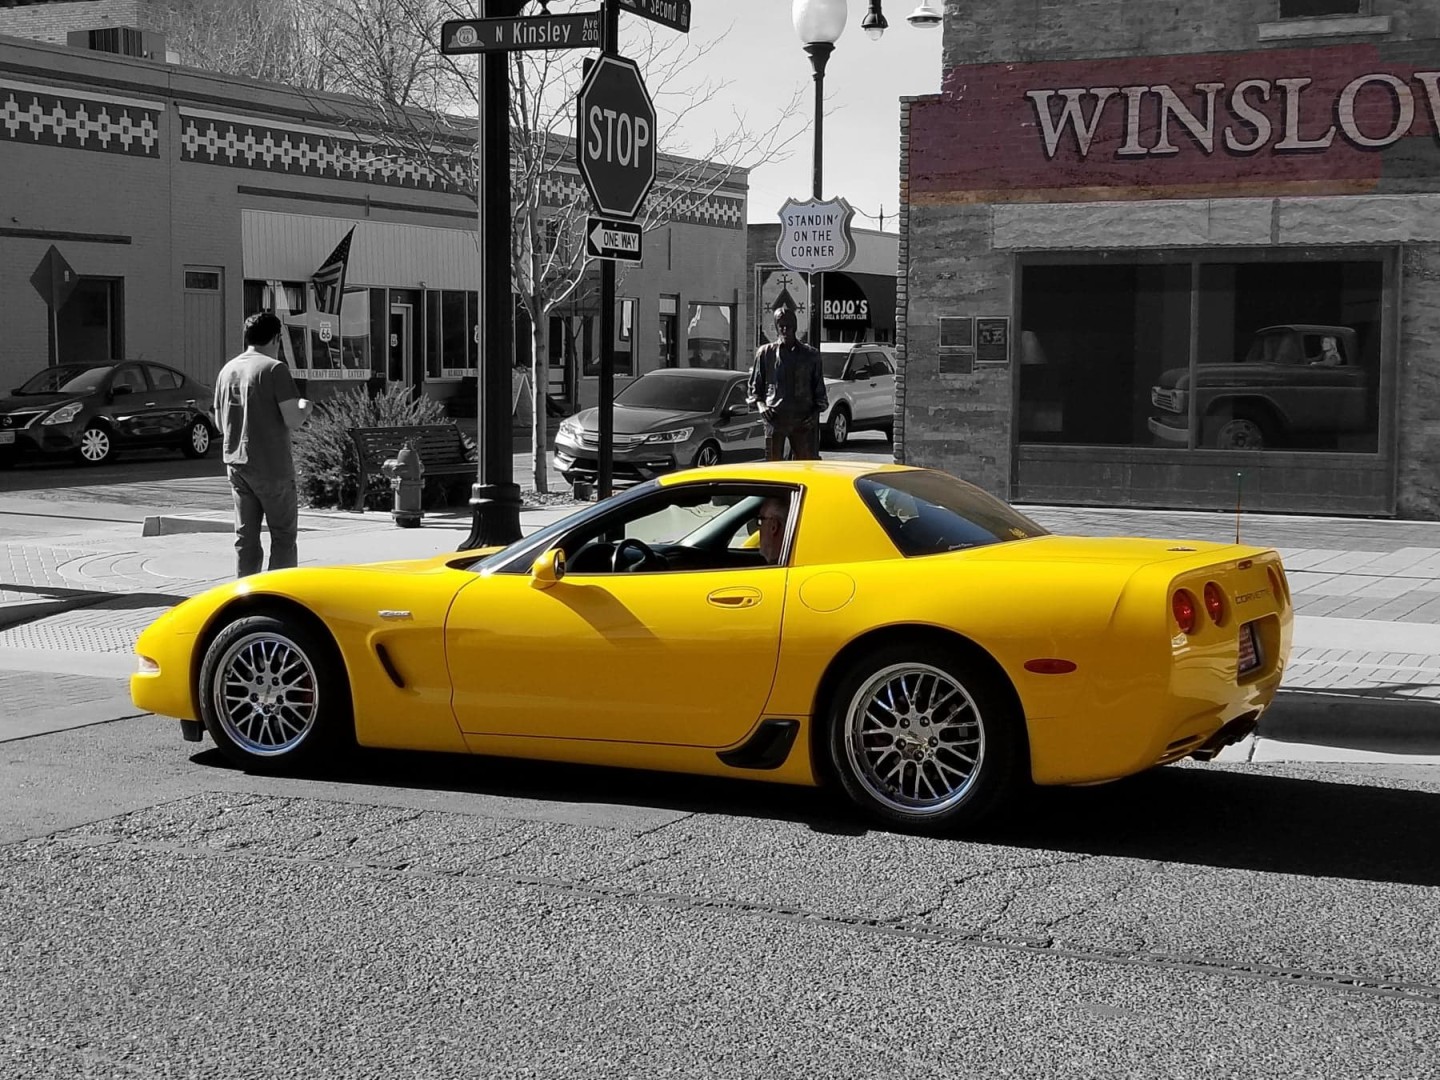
[(605, 472)]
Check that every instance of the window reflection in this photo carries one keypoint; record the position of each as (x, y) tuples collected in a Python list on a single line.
[(1286, 354)]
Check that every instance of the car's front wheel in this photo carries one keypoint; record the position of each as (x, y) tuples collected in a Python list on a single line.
[(197, 440), (97, 445), (273, 694), (837, 428), (707, 455), (924, 739)]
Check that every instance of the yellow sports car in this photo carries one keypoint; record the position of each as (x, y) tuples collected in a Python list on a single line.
[(894, 630)]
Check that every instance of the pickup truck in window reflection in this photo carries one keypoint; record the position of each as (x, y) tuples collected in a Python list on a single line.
[(1300, 386)]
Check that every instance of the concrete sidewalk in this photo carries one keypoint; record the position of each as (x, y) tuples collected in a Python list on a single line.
[(1364, 677)]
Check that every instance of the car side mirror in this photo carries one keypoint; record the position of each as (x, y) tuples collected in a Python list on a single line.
[(119, 391), (548, 569), (736, 410)]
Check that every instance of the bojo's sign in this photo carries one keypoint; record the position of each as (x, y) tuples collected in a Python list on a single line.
[(815, 236)]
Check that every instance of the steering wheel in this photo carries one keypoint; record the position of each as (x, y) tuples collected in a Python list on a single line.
[(648, 559)]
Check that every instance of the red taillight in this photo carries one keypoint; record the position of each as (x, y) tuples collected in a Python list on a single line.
[(1214, 602), (1183, 604)]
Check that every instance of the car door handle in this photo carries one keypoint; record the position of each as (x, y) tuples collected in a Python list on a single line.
[(739, 596), (149, 404), (189, 401)]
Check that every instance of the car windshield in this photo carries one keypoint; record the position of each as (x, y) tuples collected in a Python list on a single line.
[(518, 557), (926, 513), (672, 391), (834, 364), (66, 379)]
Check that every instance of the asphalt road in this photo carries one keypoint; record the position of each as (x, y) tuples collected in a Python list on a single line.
[(163, 915)]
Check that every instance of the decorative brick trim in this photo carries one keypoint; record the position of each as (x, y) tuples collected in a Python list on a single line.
[(51, 116)]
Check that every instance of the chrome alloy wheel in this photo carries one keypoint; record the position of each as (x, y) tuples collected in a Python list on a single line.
[(266, 694), (915, 739), (95, 444), (199, 438)]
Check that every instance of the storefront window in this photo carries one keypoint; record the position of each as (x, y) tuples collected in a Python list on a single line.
[(1286, 354), (434, 339), (355, 331), (710, 336), (669, 331), (456, 335)]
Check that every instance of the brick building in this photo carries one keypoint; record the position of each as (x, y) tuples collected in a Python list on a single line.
[(181, 200), (1148, 248)]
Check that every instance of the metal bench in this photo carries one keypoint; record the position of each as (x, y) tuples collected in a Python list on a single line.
[(441, 446)]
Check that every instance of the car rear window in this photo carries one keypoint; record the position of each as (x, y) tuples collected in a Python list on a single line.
[(926, 513)]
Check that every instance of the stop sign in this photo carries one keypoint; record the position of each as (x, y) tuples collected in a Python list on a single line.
[(616, 132)]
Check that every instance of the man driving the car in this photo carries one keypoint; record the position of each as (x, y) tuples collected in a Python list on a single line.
[(771, 519)]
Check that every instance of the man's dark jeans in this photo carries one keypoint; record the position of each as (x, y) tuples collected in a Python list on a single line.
[(802, 435), (274, 501)]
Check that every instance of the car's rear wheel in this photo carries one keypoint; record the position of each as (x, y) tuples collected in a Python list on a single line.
[(273, 694), (97, 446), (197, 440), (837, 428), (707, 455), (923, 739)]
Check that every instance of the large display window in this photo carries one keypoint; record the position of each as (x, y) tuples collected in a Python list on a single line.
[(1280, 351)]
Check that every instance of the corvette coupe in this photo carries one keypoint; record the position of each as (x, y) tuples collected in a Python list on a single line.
[(891, 630)]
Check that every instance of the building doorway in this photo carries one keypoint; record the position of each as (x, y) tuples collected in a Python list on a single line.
[(90, 328), (402, 354)]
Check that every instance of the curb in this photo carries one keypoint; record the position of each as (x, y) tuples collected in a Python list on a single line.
[(1378, 725)]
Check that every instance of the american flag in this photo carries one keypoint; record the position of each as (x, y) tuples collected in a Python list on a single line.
[(330, 278)]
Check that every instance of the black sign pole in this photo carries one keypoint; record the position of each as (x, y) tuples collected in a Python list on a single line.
[(495, 497), (604, 478)]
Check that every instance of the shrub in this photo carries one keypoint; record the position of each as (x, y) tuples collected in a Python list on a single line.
[(326, 472)]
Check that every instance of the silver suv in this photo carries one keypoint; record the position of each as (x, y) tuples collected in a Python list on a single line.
[(860, 381)]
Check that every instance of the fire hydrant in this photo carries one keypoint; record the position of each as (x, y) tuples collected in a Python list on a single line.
[(407, 485)]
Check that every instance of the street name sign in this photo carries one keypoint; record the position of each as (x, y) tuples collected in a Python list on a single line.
[(616, 133), (815, 236), (573, 31), (619, 240), (672, 13)]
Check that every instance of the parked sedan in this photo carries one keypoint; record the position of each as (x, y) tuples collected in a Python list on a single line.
[(675, 418), (860, 382), (93, 411)]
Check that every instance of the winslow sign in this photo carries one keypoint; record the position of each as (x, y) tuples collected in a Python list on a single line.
[(1334, 120), (1301, 127)]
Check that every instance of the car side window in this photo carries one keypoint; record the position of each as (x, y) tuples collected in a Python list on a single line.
[(859, 366), (880, 365), (131, 377), (163, 378)]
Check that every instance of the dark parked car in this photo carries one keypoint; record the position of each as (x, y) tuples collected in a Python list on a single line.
[(674, 418), (92, 411)]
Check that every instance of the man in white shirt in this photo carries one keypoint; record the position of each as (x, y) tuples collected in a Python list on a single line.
[(256, 408)]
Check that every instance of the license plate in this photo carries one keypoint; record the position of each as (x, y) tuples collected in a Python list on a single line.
[(6, 437), (1249, 649)]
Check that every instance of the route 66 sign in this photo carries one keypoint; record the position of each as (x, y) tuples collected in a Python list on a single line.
[(815, 236), (326, 331)]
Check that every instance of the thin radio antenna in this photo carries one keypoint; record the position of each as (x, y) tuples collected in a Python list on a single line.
[(1239, 479)]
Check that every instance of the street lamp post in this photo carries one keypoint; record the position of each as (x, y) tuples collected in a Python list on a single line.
[(495, 497), (819, 24)]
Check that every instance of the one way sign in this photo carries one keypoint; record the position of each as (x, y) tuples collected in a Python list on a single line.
[(619, 240)]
